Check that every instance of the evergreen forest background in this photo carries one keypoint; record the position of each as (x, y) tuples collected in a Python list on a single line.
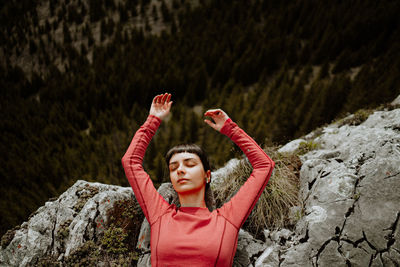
[(77, 78)]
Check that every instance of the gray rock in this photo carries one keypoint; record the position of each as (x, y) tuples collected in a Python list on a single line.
[(292, 146), (223, 172), (62, 226), (396, 101), (330, 256), (349, 189)]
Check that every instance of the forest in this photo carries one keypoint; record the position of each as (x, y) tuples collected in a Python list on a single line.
[(77, 78)]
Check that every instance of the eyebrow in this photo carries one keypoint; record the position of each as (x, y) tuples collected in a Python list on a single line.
[(187, 159)]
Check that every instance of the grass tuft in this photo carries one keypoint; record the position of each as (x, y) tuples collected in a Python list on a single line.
[(281, 193)]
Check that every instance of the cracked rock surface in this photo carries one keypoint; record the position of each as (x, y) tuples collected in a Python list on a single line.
[(63, 225), (350, 191)]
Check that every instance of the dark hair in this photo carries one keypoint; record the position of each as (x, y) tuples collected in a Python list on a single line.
[(190, 148)]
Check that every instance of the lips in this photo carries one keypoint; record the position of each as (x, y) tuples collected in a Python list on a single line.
[(182, 180)]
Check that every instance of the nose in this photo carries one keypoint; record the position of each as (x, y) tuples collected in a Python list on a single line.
[(181, 169)]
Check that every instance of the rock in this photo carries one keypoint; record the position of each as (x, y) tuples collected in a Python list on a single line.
[(248, 247), (62, 226), (349, 187), (396, 102), (356, 256), (291, 146), (269, 258), (330, 255), (224, 171)]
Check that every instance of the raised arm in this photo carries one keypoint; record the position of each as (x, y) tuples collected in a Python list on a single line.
[(151, 202), (240, 206)]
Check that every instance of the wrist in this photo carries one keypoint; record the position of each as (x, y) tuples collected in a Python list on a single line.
[(155, 117), (228, 127)]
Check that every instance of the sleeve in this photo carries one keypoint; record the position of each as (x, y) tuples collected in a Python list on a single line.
[(151, 202), (239, 207)]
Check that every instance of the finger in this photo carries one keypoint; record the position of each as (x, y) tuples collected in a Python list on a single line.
[(212, 112), (163, 98), (168, 98), (210, 123), (159, 100)]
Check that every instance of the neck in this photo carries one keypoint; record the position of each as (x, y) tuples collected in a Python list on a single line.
[(193, 199)]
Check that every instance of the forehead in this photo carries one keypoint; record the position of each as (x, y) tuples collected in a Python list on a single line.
[(183, 156)]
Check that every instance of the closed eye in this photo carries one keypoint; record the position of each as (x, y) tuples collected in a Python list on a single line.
[(173, 167), (190, 162)]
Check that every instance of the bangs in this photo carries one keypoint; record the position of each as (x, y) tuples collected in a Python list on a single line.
[(189, 148)]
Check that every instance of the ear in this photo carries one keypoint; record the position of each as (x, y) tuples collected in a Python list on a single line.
[(208, 175)]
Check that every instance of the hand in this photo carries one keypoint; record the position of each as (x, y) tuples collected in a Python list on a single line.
[(219, 117), (161, 105)]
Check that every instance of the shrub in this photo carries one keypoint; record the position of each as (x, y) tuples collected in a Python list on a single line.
[(125, 218), (114, 240), (87, 255)]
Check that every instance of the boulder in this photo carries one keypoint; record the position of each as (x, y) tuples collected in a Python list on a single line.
[(349, 188), (63, 225)]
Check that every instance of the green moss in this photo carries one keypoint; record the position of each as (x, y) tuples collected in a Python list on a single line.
[(305, 147), (47, 261), (84, 193), (126, 215), (87, 255), (79, 205), (356, 196), (114, 240), (358, 117), (63, 231)]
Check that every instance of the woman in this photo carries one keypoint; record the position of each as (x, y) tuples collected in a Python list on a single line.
[(191, 235)]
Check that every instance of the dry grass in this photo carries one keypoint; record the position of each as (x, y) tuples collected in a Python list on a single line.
[(281, 193)]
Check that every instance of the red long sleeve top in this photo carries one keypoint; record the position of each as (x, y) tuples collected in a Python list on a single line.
[(192, 236)]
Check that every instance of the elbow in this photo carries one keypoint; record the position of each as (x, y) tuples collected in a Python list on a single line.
[(129, 161), (272, 163), (267, 165), (125, 161)]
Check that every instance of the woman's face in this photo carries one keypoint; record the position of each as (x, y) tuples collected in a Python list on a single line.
[(187, 173)]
